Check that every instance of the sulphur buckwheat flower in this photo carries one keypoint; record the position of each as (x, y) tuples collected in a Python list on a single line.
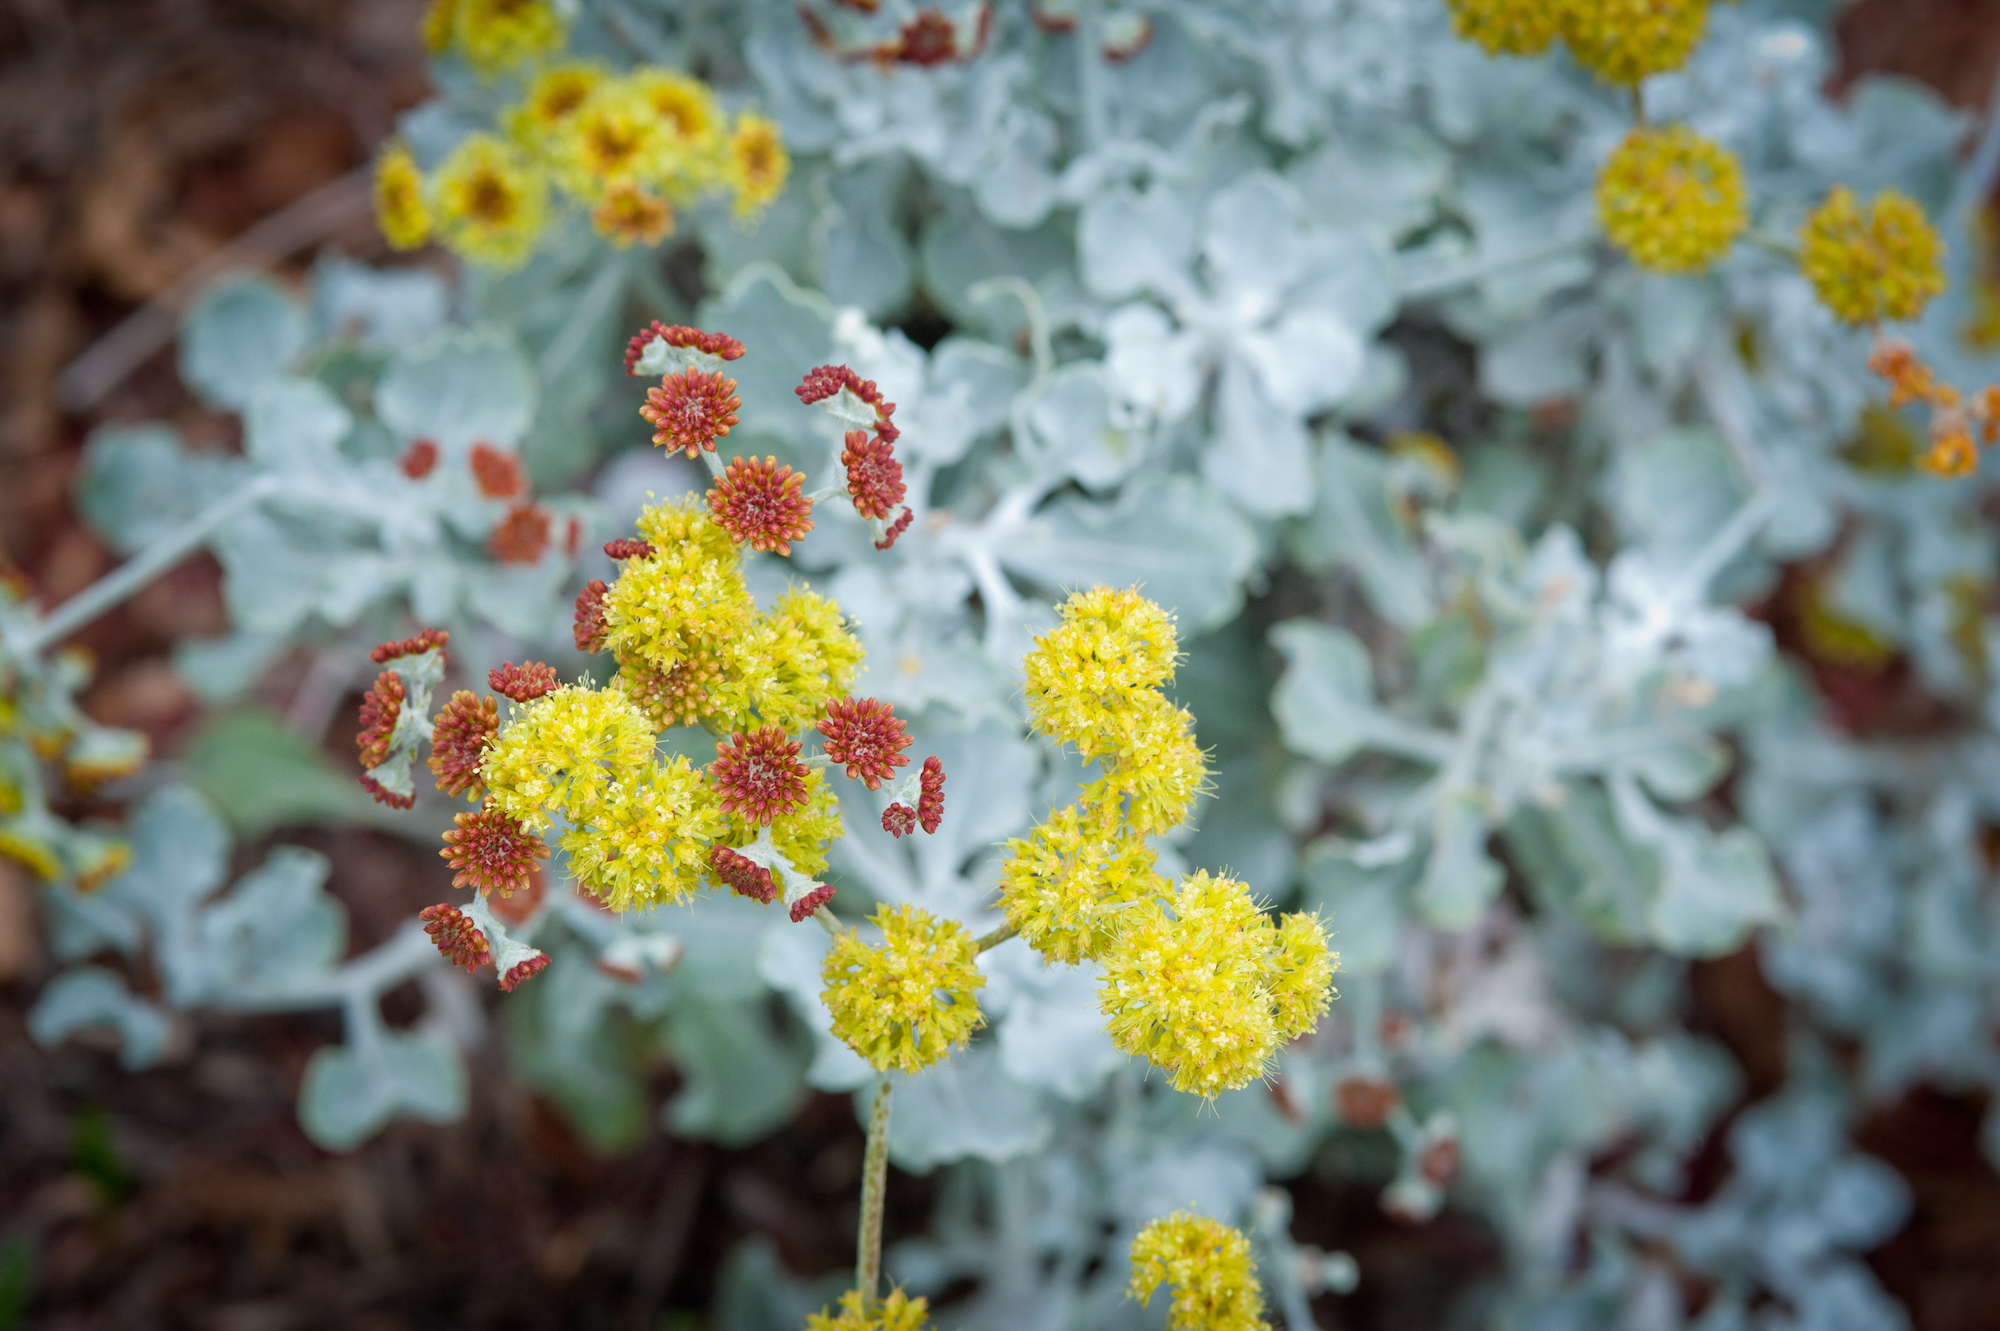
[(687, 598), (1113, 650), (1627, 41), (680, 696), (491, 202), (613, 139), (1208, 1266), (1155, 769), (554, 95), (761, 504), (644, 839), (628, 215), (744, 876), (720, 345), (805, 658), (1301, 975), (1672, 199), (759, 775), (429, 640), (399, 200), (1067, 885), (1882, 261), (522, 683), (459, 737), (1189, 985), (495, 35), (1951, 454), (874, 475), (865, 736), (381, 708), (498, 474), (491, 851), (691, 410), (897, 1312), (755, 164), (589, 618), (562, 751), (908, 1001), (456, 936), (1506, 27)]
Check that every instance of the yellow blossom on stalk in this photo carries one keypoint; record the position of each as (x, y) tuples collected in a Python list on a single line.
[(1113, 649), (1301, 978), (399, 200), (1154, 768), (806, 658), (755, 163), (646, 843), (908, 1001), (563, 751), (801, 836), (1506, 27), (1208, 1266), (491, 203), (1192, 984), (1627, 41), (898, 1312), (685, 108), (553, 97), (495, 35), (613, 138), (686, 597), (1884, 261), (1672, 199), (627, 215), (1068, 883)]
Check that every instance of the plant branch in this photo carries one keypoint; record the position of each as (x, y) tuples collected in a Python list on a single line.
[(988, 941), (1448, 278), (874, 1182)]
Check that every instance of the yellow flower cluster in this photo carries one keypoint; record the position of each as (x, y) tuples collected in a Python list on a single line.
[(493, 35), (1206, 987), (908, 1001), (1207, 1264), (648, 837), (1621, 41), (898, 1312), (694, 647), (1095, 682), (1672, 199), (628, 149), (1882, 261), (1627, 41), (1506, 27), (801, 836), (562, 752)]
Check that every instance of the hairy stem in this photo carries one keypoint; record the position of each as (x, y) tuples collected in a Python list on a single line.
[(874, 1183), (988, 941)]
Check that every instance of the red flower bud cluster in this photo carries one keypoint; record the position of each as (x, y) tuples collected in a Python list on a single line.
[(522, 682), (865, 736), (628, 547), (456, 936), (761, 503), (895, 529), (459, 737), (419, 459), (874, 476), (759, 775), (826, 380), (385, 652), (930, 799), (521, 536), (745, 876), (526, 970), (492, 852), (383, 795), (691, 409), (803, 908), (589, 630), (500, 475), (381, 708), (720, 345)]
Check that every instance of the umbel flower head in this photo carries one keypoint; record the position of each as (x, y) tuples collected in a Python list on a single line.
[(1882, 261), (522, 683), (399, 200), (644, 839), (865, 736), (494, 35), (1070, 882), (491, 202), (908, 1001), (691, 410), (1205, 987), (1111, 653), (1506, 27), (381, 708), (556, 93), (456, 936), (759, 775), (761, 504), (459, 737), (1627, 41), (897, 1312), (874, 476), (1672, 200), (561, 753), (756, 164), (1207, 1265), (492, 852)]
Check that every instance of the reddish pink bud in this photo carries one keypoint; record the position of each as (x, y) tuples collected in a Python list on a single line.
[(761, 503), (745, 876), (385, 652), (456, 936), (459, 737), (824, 381), (589, 630), (759, 775), (930, 802), (810, 902), (526, 970), (691, 410), (419, 459), (521, 536), (896, 528), (627, 547), (381, 708), (926, 40), (522, 682), (874, 476), (721, 345), (865, 736), (491, 851), (898, 819), (383, 795), (500, 475)]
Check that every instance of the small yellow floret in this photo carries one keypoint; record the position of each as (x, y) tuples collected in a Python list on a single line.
[(627, 215), (647, 840), (686, 598), (801, 836), (691, 157), (1068, 883), (1672, 200), (555, 95), (1301, 978), (898, 1312), (908, 1001), (491, 203), (806, 658), (1202, 987), (399, 200), (1627, 41), (1113, 648), (562, 751), (1208, 1266), (1506, 27), (1884, 261), (496, 35), (755, 164), (1154, 770), (613, 138)]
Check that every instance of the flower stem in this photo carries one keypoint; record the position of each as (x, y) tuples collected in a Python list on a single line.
[(874, 1183), (987, 941)]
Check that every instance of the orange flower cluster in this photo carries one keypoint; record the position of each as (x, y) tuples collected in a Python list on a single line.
[(1956, 418)]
